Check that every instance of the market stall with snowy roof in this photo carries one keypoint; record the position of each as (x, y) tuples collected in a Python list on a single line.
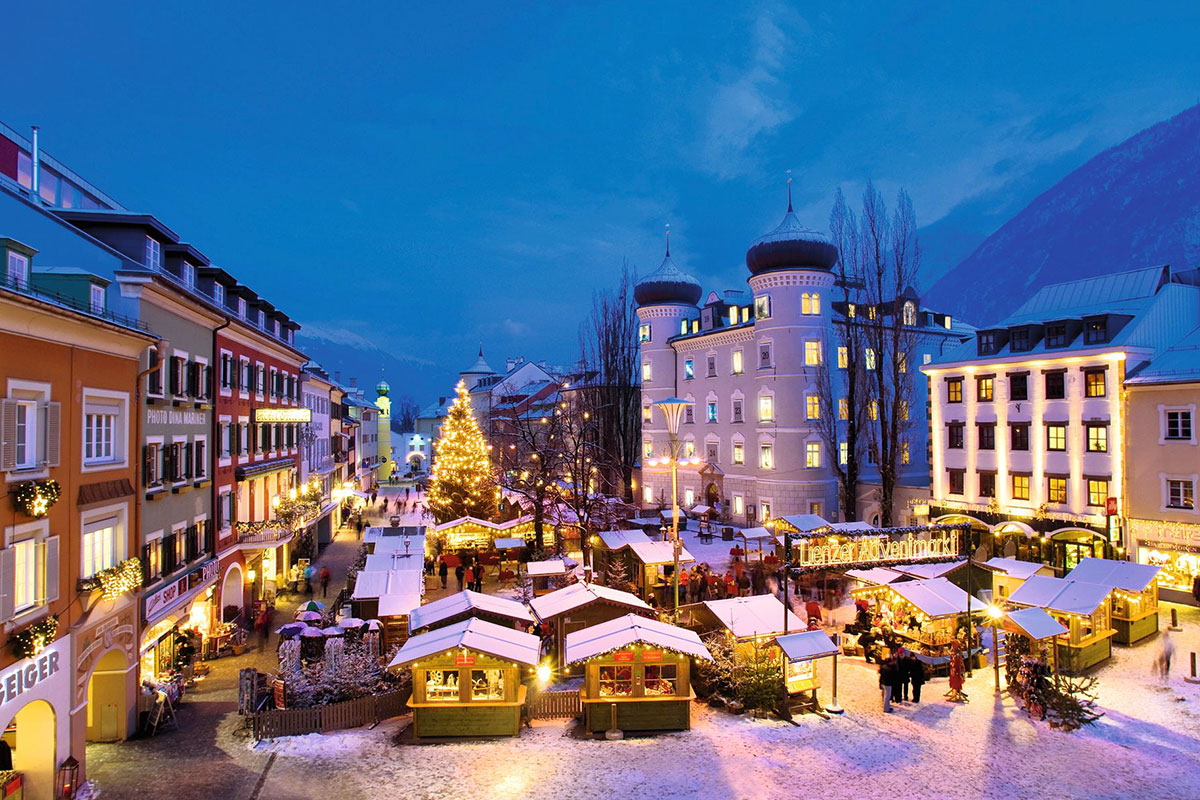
[(653, 565), (581, 605), (390, 596), (1009, 573), (1082, 607), (1038, 627), (924, 615), (1134, 595), (800, 653), (544, 574), (468, 678), (742, 619), (637, 674), (609, 547), (472, 534), (468, 604), (402, 539), (385, 562), (755, 541)]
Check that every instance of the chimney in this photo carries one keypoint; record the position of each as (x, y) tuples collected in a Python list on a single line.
[(35, 158), (337, 376)]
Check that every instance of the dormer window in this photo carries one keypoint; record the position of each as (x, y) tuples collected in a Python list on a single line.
[(910, 313), (18, 270), (1095, 331), (262, 319), (96, 298), (1056, 335), (276, 328), (988, 343), (1019, 341), (241, 309), (189, 275), (153, 253), (219, 293)]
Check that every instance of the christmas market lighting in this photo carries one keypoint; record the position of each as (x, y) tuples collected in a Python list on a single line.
[(462, 484)]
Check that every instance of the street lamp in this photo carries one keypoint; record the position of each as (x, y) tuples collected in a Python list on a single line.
[(673, 408), (995, 613)]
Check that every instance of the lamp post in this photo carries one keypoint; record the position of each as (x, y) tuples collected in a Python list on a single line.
[(995, 613), (672, 409)]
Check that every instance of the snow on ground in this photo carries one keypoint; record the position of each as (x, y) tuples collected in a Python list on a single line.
[(1147, 745)]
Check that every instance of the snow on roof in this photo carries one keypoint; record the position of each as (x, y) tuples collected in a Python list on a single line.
[(1021, 570), (760, 615), (1125, 575), (386, 562), (1178, 363), (399, 544), (399, 605), (543, 569), (615, 540), (569, 598), (505, 543), (756, 534), (1073, 298), (645, 522), (1060, 594), (389, 581), (467, 602), (651, 553), (472, 634), (936, 597), (1035, 623), (807, 645), (878, 576), (701, 509), (850, 527), (483, 523), (628, 630), (937, 569), (804, 523)]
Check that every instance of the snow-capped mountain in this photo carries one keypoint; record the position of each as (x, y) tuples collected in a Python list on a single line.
[(1136, 204)]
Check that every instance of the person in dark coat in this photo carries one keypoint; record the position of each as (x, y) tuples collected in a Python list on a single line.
[(479, 577), (901, 690), (443, 571), (867, 640), (1196, 588), (916, 674), (458, 575), (887, 670), (897, 674)]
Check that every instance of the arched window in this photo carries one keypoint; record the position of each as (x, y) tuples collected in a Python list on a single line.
[(910, 313), (810, 303)]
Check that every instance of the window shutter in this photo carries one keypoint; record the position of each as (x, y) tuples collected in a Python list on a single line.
[(173, 376), (198, 469), (51, 551), (188, 451), (145, 565), (8, 434), (53, 433), (168, 462), (147, 465), (190, 369), (8, 577), (208, 381)]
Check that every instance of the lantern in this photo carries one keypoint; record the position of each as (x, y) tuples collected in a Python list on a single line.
[(68, 779)]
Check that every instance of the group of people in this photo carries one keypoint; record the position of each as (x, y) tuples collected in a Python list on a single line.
[(468, 572), (901, 676), (702, 583)]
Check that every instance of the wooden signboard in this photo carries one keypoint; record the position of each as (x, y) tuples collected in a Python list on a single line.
[(623, 656)]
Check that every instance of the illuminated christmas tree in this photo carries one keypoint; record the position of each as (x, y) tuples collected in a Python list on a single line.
[(463, 483)]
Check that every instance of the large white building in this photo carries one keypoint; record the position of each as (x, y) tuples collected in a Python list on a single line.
[(750, 364)]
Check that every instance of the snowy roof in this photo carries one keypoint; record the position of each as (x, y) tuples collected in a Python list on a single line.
[(1124, 575), (615, 540), (631, 629), (756, 534), (848, 527), (1177, 364), (701, 509), (1021, 570), (937, 569), (480, 367), (506, 543), (543, 569), (645, 522), (804, 523), (1035, 623), (760, 615), (388, 581), (1060, 594), (482, 523), (414, 545), (467, 602), (569, 598), (807, 645), (386, 562), (1089, 295), (936, 597), (651, 553), (399, 605), (878, 576), (471, 634)]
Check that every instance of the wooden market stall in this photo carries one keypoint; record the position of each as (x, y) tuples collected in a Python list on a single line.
[(468, 678), (1134, 596), (923, 616), (1084, 609), (637, 674), (756, 541), (466, 605), (1008, 574), (543, 574), (800, 652), (473, 534), (389, 596), (401, 539), (1035, 625), (652, 565), (609, 546), (581, 605), (741, 619)]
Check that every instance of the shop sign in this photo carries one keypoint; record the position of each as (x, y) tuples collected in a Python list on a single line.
[(1110, 506), (171, 416), (1168, 546), (31, 673), (1164, 535), (464, 660), (159, 602), (283, 415), (652, 655), (623, 655), (836, 551)]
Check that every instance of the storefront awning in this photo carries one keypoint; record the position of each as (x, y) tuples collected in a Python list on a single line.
[(264, 468), (1034, 623), (807, 645)]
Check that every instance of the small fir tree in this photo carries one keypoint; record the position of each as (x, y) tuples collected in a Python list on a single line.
[(463, 483)]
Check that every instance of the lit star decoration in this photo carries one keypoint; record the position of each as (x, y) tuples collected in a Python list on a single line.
[(36, 638), (463, 483), (35, 498)]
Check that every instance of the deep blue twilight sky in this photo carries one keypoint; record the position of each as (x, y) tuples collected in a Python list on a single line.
[(433, 176)]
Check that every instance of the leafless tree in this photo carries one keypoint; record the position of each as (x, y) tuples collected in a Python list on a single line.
[(404, 413), (529, 439)]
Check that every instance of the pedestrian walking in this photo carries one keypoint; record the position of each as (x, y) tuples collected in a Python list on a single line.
[(407, 489), (900, 692), (325, 576), (479, 578), (458, 575), (360, 526), (308, 579), (916, 674), (443, 571), (468, 578), (886, 668), (1166, 651)]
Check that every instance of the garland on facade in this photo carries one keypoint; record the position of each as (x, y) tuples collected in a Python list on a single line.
[(36, 498), (34, 639), (873, 564), (116, 580)]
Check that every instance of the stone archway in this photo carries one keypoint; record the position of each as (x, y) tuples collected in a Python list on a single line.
[(232, 591), (107, 701), (36, 748)]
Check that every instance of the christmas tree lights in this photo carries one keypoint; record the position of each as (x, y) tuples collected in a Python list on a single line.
[(463, 483)]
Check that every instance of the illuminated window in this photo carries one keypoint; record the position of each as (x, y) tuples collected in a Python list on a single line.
[(737, 367), (660, 680), (904, 410), (904, 455), (766, 408), (689, 449), (29, 574), (954, 387), (1020, 487), (1056, 489), (712, 411), (100, 546), (812, 354), (689, 497), (850, 310), (810, 303), (1097, 438), (739, 453), (1181, 494), (812, 406), (910, 314), (647, 413), (683, 327), (873, 410), (870, 312), (739, 504), (441, 685), (843, 453), (1056, 437), (764, 509), (843, 408), (647, 449), (487, 684), (689, 369), (843, 358), (616, 681), (762, 307), (647, 373), (1094, 383), (983, 389), (766, 456), (902, 362), (647, 494), (1097, 491), (733, 316), (644, 332), (812, 454), (870, 353)]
